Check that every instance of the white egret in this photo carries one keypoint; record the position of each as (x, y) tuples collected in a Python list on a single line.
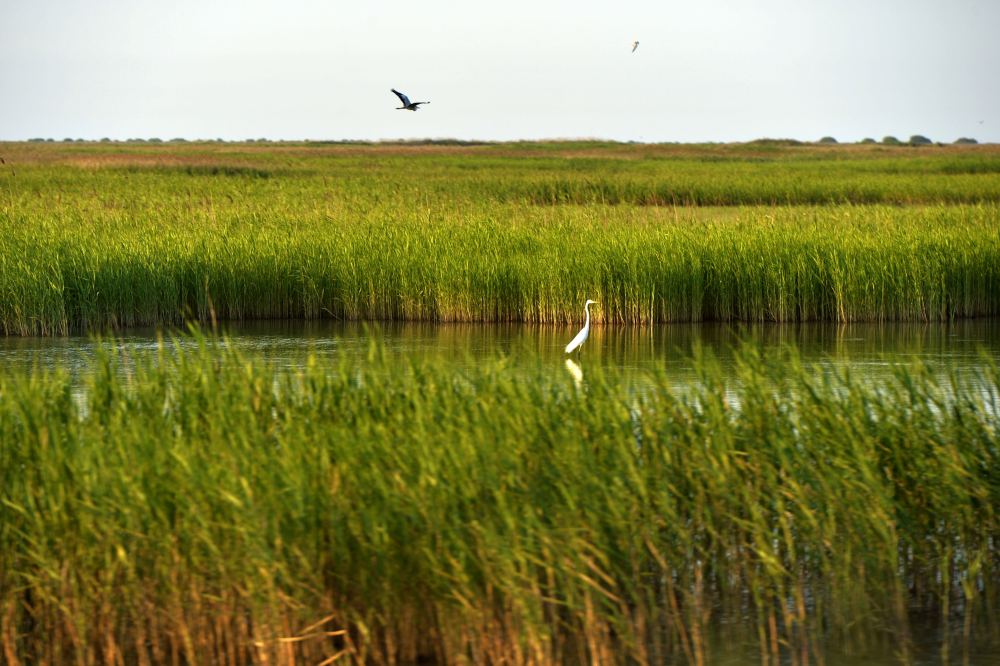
[(407, 104), (581, 337)]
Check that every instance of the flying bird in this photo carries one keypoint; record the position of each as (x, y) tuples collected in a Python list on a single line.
[(407, 104), (581, 337), (635, 45)]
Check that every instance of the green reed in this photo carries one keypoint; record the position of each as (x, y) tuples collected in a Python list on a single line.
[(503, 264), (201, 506), (97, 237)]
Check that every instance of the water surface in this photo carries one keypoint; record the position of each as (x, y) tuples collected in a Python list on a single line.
[(865, 349)]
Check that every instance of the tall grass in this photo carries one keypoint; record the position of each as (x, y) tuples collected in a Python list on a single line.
[(96, 237), (500, 264), (199, 506)]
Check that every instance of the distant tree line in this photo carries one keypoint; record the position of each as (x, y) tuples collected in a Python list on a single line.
[(915, 140)]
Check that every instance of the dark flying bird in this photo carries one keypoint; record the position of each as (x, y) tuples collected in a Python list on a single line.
[(407, 104), (635, 45)]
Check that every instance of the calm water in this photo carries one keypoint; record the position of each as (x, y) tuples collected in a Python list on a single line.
[(868, 349)]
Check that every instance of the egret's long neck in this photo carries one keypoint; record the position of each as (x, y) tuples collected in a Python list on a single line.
[(586, 310)]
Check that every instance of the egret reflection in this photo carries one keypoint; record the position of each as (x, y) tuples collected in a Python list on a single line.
[(575, 371)]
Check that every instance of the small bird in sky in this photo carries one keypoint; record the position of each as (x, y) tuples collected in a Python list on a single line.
[(407, 104), (635, 45)]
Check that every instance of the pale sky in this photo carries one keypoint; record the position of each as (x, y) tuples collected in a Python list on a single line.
[(705, 70)]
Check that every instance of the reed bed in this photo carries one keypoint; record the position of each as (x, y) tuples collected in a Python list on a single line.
[(198, 506), (99, 237), (525, 264)]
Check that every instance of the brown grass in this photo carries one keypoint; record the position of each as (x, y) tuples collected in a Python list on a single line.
[(96, 154)]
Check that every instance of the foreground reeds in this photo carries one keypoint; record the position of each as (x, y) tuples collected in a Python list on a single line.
[(98, 237), (201, 507)]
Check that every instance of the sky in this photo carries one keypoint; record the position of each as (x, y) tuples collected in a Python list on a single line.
[(705, 70)]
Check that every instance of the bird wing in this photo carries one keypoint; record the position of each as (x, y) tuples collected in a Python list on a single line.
[(402, 98), (577, 341)]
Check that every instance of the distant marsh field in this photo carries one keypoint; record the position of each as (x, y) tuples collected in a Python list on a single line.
[(103, 235)]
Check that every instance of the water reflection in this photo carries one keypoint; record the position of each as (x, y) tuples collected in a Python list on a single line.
[(575, 372), (866, 348)]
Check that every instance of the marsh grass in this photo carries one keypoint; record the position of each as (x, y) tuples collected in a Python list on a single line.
[(96, 237), (204, 506), (93, 271)]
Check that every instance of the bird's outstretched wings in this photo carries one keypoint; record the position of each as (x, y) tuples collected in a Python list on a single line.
[(402, 98)]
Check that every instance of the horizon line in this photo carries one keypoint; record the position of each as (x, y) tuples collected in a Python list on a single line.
[(828, 141)]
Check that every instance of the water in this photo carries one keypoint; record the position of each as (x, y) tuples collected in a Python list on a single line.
[(866, 349)]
